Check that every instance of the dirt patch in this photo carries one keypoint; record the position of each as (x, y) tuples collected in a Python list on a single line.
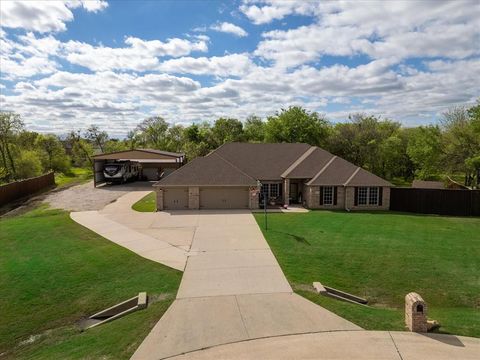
[(86, 197)]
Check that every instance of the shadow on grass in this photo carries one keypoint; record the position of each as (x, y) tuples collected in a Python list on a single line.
[(297, 238)]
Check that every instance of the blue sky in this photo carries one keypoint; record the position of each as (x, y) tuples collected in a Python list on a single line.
[(68, 64)]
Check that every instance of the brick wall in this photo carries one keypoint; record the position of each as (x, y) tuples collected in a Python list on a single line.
[(350, 200), (313, 198)]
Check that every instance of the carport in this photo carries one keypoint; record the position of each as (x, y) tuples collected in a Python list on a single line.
[(154, 164)]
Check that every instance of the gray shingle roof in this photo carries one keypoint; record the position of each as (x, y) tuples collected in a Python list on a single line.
[(366, 178), (336, 172), (262, 161), (241, 164), (211, 170), (311, 165)]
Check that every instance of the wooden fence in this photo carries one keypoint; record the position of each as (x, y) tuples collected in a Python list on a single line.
[(22, 188), (436, 201)]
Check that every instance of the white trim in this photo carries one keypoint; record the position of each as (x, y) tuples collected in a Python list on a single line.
[(298, 161), (352, 176)]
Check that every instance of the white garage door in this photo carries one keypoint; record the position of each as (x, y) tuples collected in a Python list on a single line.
[(175, 199), (224, 198)]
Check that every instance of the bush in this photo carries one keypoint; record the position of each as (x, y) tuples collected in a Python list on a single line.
[(28, 165)]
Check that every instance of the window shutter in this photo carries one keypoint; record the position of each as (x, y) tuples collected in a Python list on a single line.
[(280, 189), (334, 195), (380, 196), (355, 200), (321, 195)]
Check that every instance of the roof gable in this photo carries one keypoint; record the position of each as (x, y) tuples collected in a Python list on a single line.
[(211, 170), (365, 178), (311, 165), (336, 172)]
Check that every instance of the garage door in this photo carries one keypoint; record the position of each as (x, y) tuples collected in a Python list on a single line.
[(175, 199), (151, 173), (224, 198)]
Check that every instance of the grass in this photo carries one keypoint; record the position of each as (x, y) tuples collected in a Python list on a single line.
[(55, 272), (384, 256), (77, 176), (146, 204)]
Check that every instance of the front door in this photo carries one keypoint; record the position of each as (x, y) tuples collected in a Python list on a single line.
[(294, 193)]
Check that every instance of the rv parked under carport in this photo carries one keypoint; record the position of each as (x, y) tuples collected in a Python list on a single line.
[(154, 164)]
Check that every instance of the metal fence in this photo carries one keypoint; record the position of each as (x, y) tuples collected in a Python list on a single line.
[(19, 189), (436, 201)]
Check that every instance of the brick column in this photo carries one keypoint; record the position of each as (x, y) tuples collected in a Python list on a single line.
[(286, 191), (159, 199), (254, 197), (194, 198)]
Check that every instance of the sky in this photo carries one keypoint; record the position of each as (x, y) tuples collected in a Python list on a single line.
[(65, 65)]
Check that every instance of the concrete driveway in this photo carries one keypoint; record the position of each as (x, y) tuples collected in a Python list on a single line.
[(234, 301), (232, 290)]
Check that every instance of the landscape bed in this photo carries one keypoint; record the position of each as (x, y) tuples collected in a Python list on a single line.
[(55, 272), (382, 256)]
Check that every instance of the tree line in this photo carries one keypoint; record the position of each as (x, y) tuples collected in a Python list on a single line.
[(383, 146)]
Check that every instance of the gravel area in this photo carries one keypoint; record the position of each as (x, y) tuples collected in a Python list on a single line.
[(85, 197)]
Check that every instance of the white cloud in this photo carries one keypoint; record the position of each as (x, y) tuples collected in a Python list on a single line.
[(43, 16), (393, 29), (228, 65), (229, 28), (140, 55), (262, 12), (29, 56)]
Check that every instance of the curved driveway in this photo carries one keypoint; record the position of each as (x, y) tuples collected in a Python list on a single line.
[(234, 301)]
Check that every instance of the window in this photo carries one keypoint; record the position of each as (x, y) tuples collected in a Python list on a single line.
[(362, 195), (274, 190), (373, 196), (270, 191), (328, 195), (368, 195)]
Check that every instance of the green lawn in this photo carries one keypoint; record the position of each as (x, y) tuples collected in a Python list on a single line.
[(53, 272), (383, 256), (77, 176), (146, 204)]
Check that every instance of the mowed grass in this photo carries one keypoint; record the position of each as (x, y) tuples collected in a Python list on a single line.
[(76, 175), (383, 256), (146, 204), (54, 272)]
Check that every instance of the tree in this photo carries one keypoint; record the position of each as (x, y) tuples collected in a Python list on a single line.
[(54, 157), (254, 129), (461, 140), (97, 137), (425, 150), (10, 125), (82, 151), (175, 138), (370, 142), (197, 140), (296, 124), (152, 132), (226, 130)]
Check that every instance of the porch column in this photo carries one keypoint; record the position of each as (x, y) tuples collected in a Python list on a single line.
[(286, 191)]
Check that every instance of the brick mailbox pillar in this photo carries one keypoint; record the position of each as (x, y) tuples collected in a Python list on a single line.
[(415, 313)]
